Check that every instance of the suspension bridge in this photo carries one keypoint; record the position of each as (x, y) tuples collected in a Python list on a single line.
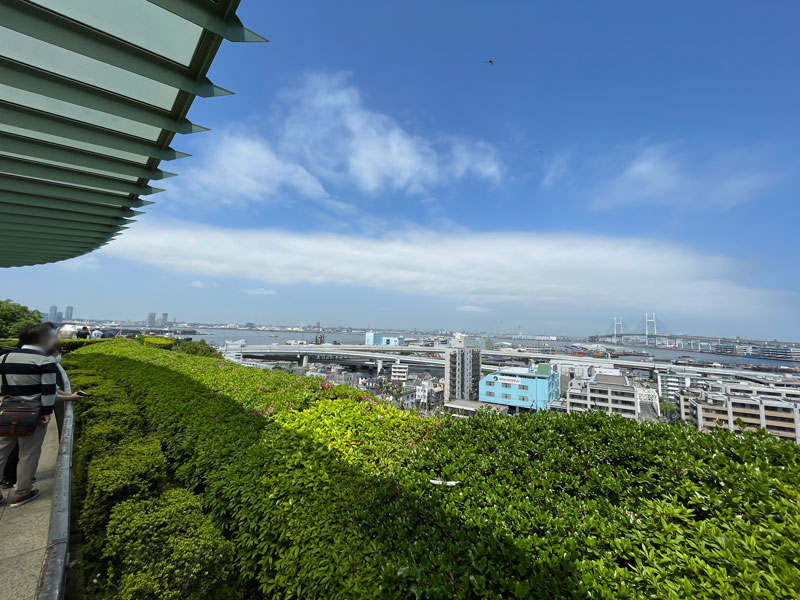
[(650, 328)]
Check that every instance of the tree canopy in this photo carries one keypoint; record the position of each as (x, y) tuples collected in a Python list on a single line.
[(15, 317)]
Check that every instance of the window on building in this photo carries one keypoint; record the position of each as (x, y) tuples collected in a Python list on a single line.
[(490, 383), (506, 396), (523, 387), (523, 398), (491, 394), (506, 385)]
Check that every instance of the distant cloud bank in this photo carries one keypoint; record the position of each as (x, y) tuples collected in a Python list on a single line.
[(567, 272)]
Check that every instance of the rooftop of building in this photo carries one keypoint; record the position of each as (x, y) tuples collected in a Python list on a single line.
[(540, 369), (474, 405), (604, 379)]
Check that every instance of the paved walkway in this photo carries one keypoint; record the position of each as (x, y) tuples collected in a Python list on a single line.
[(23, 530)]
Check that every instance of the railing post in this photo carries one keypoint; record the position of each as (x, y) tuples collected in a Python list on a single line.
[(53, 576)]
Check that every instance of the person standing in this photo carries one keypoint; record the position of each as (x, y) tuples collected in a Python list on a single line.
[(29, 381), (83, 333), (64, 392), (96, 334)]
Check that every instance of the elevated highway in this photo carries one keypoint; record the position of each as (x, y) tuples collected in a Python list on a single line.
[(434, 356)]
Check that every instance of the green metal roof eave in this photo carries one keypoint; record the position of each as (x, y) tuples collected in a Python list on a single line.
[(48, 26), (36, 223), (42, 122), (48, 244), (29, 232), (52, 85), (35, 148), (66, 215), (58, 199), (61, 204), (230, 29), (57, 190), (26, 168)]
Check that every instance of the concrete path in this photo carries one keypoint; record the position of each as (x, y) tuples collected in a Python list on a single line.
[(23, 530)]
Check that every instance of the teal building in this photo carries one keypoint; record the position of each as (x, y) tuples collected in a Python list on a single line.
[(521, 389)]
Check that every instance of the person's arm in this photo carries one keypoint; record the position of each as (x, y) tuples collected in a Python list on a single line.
[(65, 396), (49, 374)]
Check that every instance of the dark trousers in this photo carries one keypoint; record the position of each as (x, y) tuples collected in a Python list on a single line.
[(10, 470)]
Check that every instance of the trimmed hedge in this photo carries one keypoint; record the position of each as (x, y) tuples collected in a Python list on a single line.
[(326, 493), (150, 540), (155, 341), (136, 469), (69, 345), (64, 346), (165, 549)]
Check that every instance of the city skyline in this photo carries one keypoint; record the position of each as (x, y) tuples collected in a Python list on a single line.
[(152, 319), (606, 162)]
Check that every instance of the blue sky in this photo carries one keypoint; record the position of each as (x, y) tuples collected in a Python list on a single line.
[(373, 169)]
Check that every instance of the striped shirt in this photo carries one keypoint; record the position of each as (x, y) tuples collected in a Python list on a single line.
[(31, 376)]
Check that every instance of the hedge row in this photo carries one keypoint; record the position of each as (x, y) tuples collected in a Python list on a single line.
[(66, 346), (142, 539), (326, 493), (155, 341)]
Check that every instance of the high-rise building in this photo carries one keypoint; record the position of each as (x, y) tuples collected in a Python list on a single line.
[(59, 317), (68, 314), (151, 319), (164, 319), (51, 314), (462, 374)]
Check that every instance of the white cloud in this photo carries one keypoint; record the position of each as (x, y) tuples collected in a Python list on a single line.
[(203, 284), (331, 131), (259, 292), (81, 263), (241, 168), (556, 170), (565, 272), (326, 137), (474, 309), (664, 175)]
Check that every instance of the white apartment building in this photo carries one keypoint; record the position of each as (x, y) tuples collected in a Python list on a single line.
[(673, 381), (729, 405), (613, 394), (399, 373), (429, 393), (570, 368)]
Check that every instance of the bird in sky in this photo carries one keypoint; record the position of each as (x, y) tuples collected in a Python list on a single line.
[(490, 61)]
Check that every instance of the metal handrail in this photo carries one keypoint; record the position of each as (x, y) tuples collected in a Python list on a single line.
[(53, 576)]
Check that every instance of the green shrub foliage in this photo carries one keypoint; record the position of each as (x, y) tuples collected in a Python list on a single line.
[(155, 341), (136, 469), (150, 546), (198, 348), (166, 549), (326, 493), (68, 345)]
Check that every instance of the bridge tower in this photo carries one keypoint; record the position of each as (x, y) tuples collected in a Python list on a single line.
[(617, 323), (647, 320)]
